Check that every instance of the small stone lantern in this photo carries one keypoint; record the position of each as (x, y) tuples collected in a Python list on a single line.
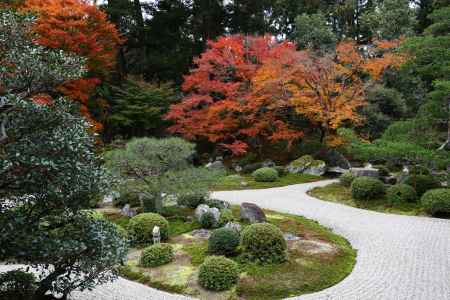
[(156, 235)]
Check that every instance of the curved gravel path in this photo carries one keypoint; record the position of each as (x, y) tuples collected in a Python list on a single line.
[(399, 257)]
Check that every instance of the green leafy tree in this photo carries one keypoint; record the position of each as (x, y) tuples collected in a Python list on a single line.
[(391, 19), (158, 167), (48, 170), (137, 108), (384, 105), (313, 32)]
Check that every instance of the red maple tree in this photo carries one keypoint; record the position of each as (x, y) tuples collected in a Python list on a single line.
[(79, 27), (219, 106)]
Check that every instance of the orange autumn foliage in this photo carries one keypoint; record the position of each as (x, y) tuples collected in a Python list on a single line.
[(219, 106), (327, 90), (79, 27)]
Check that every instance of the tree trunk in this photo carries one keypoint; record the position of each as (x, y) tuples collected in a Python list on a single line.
[(46, 284)]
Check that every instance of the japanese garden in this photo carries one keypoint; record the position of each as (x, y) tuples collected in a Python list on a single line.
[(224, 150)]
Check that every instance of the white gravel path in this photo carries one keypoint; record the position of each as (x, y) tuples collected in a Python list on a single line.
[(399, 257)]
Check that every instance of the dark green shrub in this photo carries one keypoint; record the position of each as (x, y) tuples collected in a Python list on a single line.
[(346, 179), (437, 202), (367, 188), (17, 285), (383, 171), (422, 183), (156, 255), (219, 204), (250, 168), (141, 227), (419, 170), (218, 273), (192, 199), (207, 220), (223, 241), (226, 215), (401, 193), (281, 171), (265, 175), (264, 243)]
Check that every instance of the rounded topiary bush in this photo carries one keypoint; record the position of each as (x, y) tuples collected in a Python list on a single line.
[(281, 170), (366, 188), (263, 243), (346, 179), (422, 183), (141, 227), (223, 241), (218, 273), (401, 193), (437, 202), (17, 284), (207, 220), (191, 200), (219, 204), (156, 255), (226, 215), (265, 175)]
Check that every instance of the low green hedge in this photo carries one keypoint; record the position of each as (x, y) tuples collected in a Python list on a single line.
[(17, 284), (346, 179), (141, 227), (192, 199), (264, 243), (437, 202), (422, 183), (401, 193), (265, 175), (218, 273), (367, 188), (157, 255)]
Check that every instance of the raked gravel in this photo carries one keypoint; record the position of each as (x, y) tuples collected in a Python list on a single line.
[(399, 257)]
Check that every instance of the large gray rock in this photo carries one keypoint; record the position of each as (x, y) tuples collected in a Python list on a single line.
[(200, 211), (203, 209), (128, 211), (366, 171), (218, 164), (252, 213), (317, 168), (299, 165)]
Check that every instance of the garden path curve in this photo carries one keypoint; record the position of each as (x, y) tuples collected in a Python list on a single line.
[(399, 257)]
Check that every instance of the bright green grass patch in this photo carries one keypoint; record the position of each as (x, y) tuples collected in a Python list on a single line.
[(234, 182), (198, 252), (337, 193)]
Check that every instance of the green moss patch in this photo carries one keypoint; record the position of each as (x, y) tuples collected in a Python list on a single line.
[(340, 194)]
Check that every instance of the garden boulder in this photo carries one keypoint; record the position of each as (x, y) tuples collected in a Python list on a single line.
[(299, 165), (366, 172), (203, 209), (252, 213), (317, 168)]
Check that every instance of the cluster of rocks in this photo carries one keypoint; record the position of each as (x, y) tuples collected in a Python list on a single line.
[(203, 209), (307, 165)]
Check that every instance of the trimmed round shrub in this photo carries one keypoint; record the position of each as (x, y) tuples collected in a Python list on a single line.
[(346, 179), (226, 215), (218, 273), (401, 193), (156, 255), (141, 227), (223, 241), (207, 220), (17, 284), (265, 175), (437, 202), (264, 243), (422, 183), (219, 204), (281, 170), (367, 188), (191, 200)]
